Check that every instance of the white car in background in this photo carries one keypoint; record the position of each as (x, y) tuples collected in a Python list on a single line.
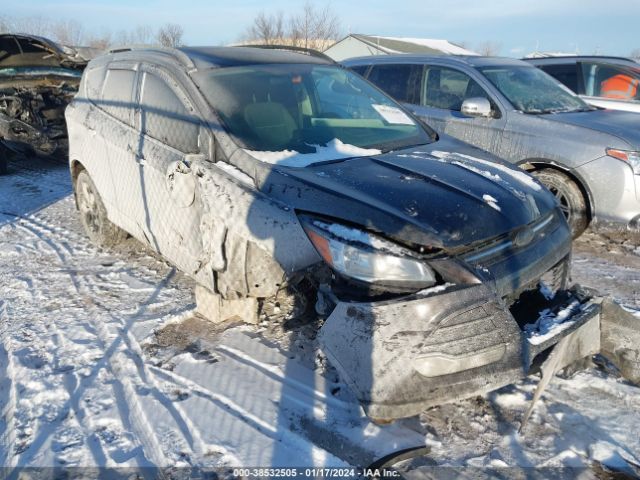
[(605, 82)]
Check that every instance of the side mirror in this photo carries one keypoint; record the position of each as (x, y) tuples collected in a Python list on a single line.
[(476, 107)]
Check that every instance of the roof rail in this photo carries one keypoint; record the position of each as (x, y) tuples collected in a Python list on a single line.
[(306, 51), (174, 52)]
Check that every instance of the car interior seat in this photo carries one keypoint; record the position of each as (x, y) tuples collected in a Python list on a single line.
[(271, 123)]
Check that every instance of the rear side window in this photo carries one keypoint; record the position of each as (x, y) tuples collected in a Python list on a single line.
[(565, 74), (402, 82), (447, 88), (610, 81), (116, 94), (165, 117)]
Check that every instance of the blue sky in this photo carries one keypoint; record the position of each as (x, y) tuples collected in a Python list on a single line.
[(586, 26)]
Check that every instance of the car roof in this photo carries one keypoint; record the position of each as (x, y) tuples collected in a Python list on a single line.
[(580, 58), (469, 60), (202, 58)]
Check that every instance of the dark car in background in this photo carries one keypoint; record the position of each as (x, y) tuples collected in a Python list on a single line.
[(605, 82), (38, 78), (589, 158), (271, 175)]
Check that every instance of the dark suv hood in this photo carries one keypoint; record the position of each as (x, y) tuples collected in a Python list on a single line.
[(624, 125), (424, 195)]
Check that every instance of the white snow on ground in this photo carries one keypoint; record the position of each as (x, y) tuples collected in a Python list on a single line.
[(334, 150), (84, 380)]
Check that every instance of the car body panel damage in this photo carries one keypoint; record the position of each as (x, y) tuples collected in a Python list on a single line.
[(252, 243), (38, 78), (417, 253), (400, 358)]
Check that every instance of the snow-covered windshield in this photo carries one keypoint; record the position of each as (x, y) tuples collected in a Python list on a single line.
[(297, 114), (530, 90)]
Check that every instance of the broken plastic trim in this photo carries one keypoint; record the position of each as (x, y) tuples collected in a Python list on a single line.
[(361, 256)]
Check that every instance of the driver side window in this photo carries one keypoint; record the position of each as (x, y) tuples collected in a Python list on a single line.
[(447, 88)]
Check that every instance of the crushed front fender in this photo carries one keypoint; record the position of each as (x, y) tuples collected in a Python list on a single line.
[(402, 356)]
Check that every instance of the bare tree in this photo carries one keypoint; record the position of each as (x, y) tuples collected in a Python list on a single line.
[(312, 28), (34, 25), (267, 29), (68, 32), (100, 41), (635, 54), (489, 49), (5, 26), (71, 32), (170, 35), (143, 34)]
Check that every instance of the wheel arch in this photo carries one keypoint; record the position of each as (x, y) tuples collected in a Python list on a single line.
[(536, 164)]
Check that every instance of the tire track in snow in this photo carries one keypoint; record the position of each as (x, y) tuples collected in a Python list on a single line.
[(188, 428), (8, 408), (139, 420), (181, 418), (70, 380)]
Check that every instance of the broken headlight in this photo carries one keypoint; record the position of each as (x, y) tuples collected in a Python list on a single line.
[(362, 256)]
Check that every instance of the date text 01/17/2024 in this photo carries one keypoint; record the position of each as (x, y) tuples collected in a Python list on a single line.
[(313, 472)]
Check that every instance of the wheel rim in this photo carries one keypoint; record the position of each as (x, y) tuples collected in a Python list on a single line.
[(563, 200), (88, 205)]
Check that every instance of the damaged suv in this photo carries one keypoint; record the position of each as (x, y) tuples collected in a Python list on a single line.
[(38, 78), (268, 175)]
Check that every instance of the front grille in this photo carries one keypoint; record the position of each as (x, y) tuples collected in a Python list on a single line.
[(495, 249), (514, 264)]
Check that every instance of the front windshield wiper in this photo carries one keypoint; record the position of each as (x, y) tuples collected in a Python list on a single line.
[(582, 109), (404, 147), (547, 111)]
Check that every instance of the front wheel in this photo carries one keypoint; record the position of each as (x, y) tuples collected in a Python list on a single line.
[(93, 214), (570, 197)]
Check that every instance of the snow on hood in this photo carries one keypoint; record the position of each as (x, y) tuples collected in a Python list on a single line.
[(514, 173), (334, 150)]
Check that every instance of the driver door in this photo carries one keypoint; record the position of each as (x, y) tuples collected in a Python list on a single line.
[(443, 91), (169, 132)]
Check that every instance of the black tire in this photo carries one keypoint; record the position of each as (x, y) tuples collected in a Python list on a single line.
[(5, 156), (93, 214), (572, 201)]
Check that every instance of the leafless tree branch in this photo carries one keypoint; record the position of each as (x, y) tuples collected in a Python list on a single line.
[(170, 35)]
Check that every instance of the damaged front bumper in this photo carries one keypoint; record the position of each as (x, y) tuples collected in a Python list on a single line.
[(400, 357)]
